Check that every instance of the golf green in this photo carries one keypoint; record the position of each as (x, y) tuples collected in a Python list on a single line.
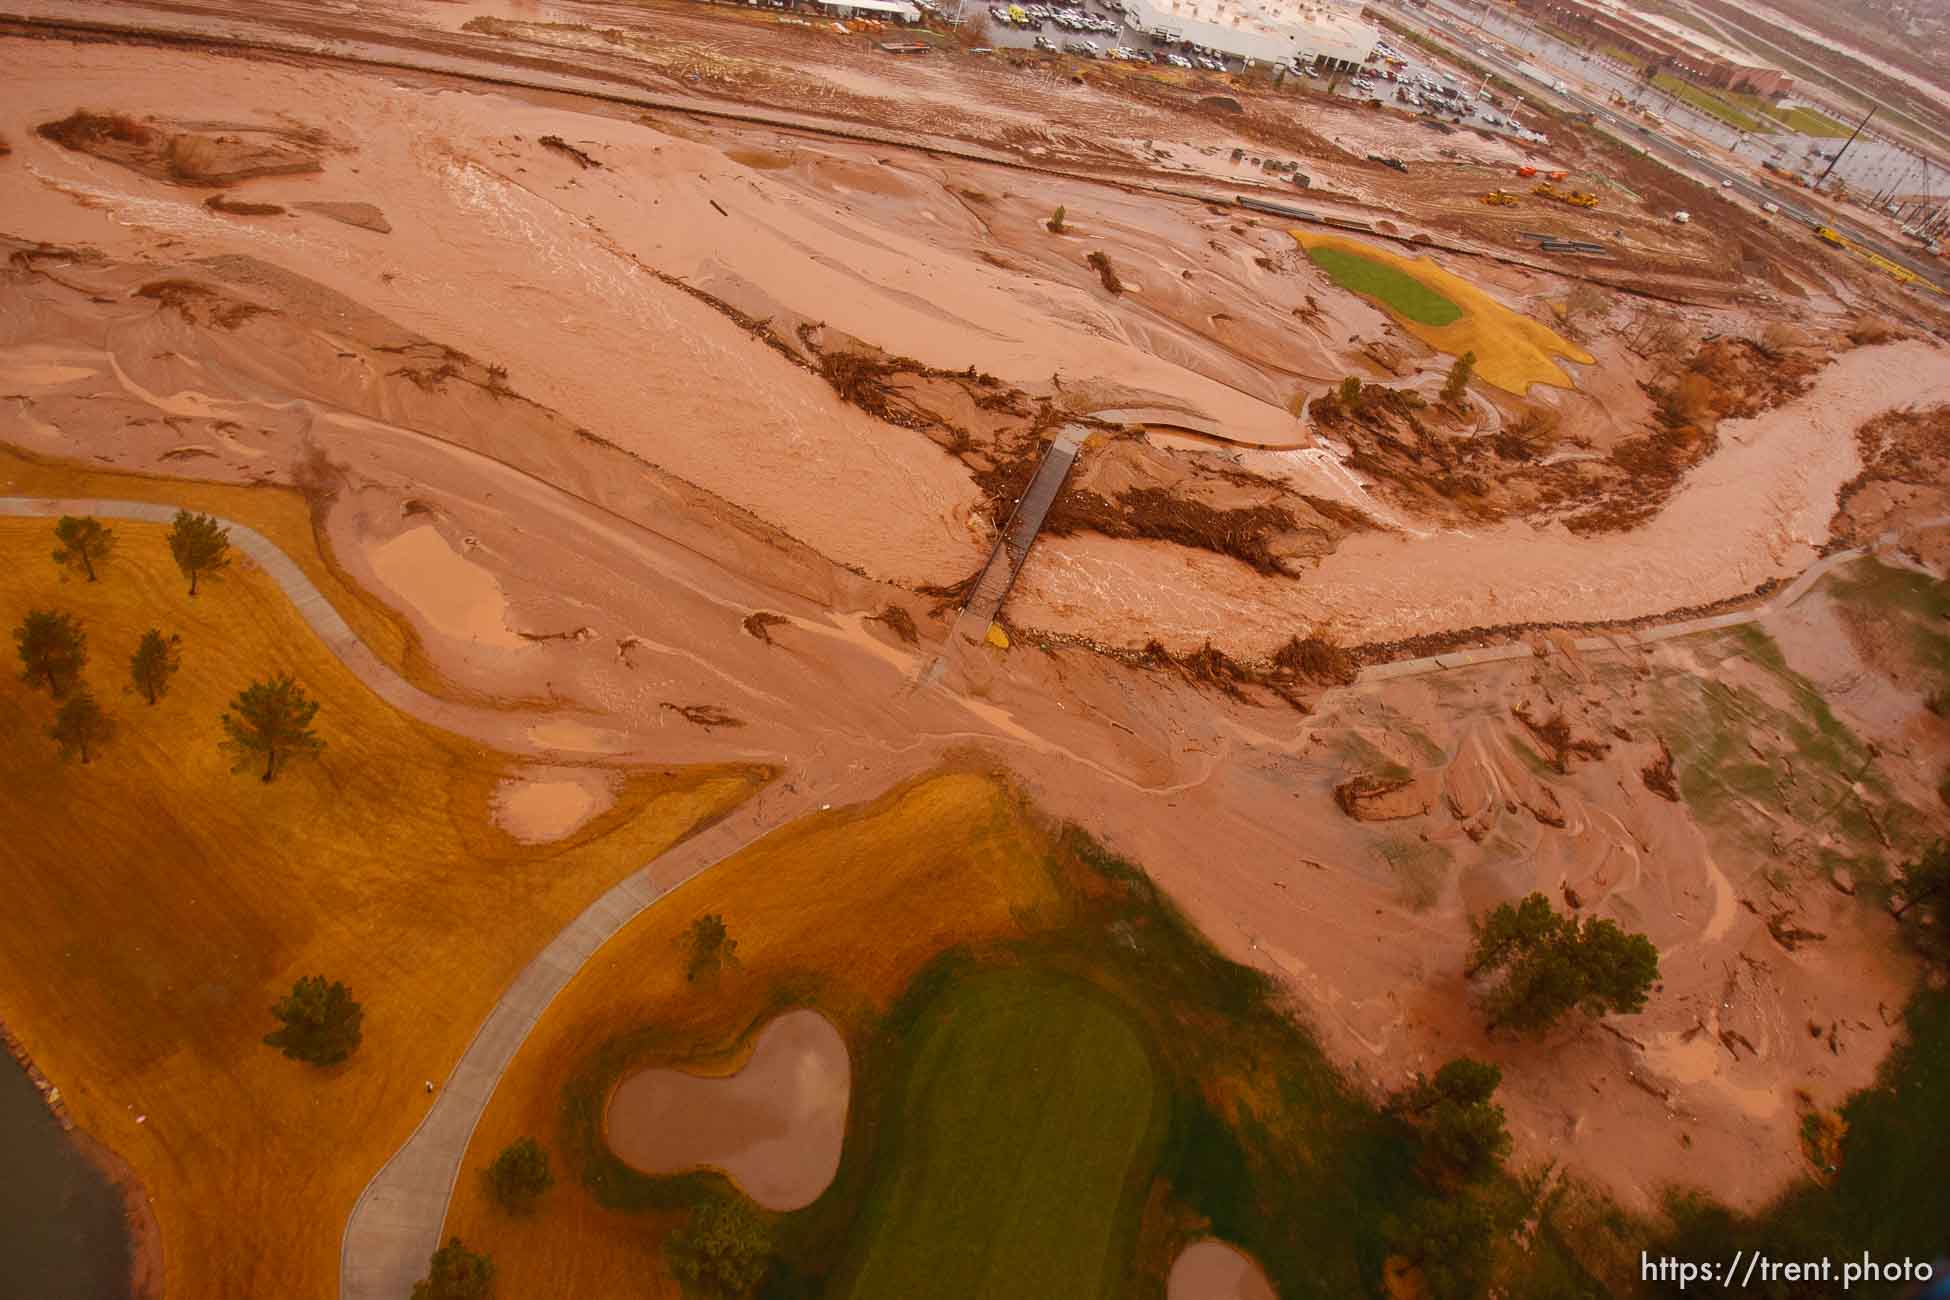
[(1028, 1116), (1393, 288)]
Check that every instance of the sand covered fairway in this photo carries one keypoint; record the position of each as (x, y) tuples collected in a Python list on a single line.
[(773, 1124), (1448, 312)]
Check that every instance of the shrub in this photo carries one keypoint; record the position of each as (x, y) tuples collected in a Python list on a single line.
[(1055, 223), (1552, 964), (723, 1250), (519, 1175), (455, 1273), (1457, 383), (320, 1023), (1105, 272)]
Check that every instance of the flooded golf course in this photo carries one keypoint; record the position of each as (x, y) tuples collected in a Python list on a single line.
[(775, 1126)]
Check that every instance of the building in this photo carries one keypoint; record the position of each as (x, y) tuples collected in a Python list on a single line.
[(1659, 44), (1265, 31), (897, 10)]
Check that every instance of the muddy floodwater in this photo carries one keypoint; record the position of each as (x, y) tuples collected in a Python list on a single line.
[(1212, 1270), (775, 1126), (62, 1235)]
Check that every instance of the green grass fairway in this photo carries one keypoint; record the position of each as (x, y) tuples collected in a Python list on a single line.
[(1028, 1117), (1395, 289)]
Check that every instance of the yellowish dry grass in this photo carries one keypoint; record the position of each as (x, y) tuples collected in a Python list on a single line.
[(157, 903), (279, 513), (852, 902), (1512, 351)]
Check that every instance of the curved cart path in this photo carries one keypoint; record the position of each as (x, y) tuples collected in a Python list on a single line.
[(396, 1223)]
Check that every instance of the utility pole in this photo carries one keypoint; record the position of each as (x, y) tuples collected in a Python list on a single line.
[(1844, 149)]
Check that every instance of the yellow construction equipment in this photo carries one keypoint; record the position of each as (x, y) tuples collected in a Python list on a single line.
[(1900, 274), (1576, 198), (1500, 199)]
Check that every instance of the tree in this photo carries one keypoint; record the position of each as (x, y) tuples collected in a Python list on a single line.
[(711, 946), (155, 661), (1450, 1242), (724, 1250), (85, 543), (320, 1022), (1552, 964), (1458, 381), (80, 726), (519, 1175), (52, 649), (1055, 223), (1350, 392), (1464, 1131), (1924, 912), (271, 720), (455, 1273), (200, 545)]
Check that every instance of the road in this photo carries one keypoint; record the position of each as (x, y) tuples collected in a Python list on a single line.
[(1679, 157)]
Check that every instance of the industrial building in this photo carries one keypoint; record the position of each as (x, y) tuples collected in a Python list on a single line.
[(1652, 41), (1265, 31)]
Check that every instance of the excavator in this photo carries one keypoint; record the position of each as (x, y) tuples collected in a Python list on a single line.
[(1500, 199)]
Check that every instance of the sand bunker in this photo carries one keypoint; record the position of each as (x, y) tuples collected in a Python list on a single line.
[(546, 804), (1212, 1270), (775, 1127), (458, 597), (1512, 352)]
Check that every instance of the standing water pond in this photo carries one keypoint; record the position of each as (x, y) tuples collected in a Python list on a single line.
[(62, 1235)]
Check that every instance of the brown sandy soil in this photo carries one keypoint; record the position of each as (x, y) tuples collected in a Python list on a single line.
[(543, 804), (648, 473), (775, 1125)]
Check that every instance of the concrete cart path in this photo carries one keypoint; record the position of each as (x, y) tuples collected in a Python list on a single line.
[(395, 1225)]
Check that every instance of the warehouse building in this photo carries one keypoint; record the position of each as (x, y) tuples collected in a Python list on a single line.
[(1265, 31)]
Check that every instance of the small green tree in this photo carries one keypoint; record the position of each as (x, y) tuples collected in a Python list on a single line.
[(1458, 381), (155, 661), (1922, 902), (1055, 223), (52, 648), (711, 948), (455, 1273), (319, 1023), (80, 727), (85, 544), (1551, 964), (1463, 1129), (519, 1175), (272, 721), (1451, 1242), (723, 1250), (200, 546), (1350, 392)]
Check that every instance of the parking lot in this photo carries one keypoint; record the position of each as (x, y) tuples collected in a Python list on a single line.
[(1405, 78), (1099, 29), (1093, 30)]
